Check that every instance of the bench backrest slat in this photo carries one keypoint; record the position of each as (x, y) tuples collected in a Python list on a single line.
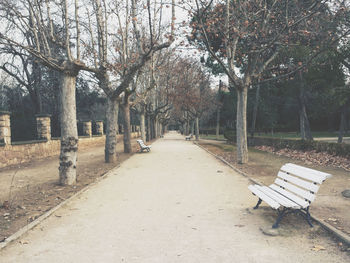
[(302, 183), (305, 194), (306, 173), (290, 195), (141, 143)]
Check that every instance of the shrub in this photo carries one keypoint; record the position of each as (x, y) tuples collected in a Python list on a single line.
[(230, 135), (211, 131)]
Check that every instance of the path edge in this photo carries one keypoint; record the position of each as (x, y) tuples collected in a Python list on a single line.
[(331, 229), (41, 218)]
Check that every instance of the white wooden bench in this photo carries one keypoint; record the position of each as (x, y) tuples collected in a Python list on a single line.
[(189, 137), (293, 191), (143, 146)]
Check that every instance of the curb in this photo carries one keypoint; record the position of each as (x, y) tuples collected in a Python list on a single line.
[(230, 165), (331, 229), (41, 218)]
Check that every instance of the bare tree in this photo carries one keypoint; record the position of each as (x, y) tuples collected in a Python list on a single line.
[(132, 48), (56, 43), (245, 38)]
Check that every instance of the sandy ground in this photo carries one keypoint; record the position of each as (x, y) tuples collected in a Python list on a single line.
[(174, 204), (29, 190), (36, 172), (330, 205)]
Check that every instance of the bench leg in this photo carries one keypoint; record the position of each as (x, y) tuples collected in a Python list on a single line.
[(307, 216), (257, 205), (281, 214)]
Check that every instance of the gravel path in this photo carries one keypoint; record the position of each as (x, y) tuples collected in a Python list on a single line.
[(174, 204)]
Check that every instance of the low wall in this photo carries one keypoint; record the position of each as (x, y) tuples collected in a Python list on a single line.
[(22, 152)]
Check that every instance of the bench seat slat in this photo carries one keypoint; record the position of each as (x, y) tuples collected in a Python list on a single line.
[(290, 195), (307, 185), (306, 173), (296, 190), (279, 197), (264, 197)]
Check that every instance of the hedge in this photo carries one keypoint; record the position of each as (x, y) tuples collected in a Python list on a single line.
[(339, 149), (230, 135), (211, 131)]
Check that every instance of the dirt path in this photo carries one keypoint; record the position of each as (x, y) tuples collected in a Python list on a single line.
[(23, 176), (330, 205), (174, 204)]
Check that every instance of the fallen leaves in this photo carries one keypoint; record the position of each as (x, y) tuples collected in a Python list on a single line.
[(318, 248), (310, 157), (332, 219)]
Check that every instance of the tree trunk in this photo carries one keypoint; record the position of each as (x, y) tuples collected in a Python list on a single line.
[(217, 123), (342, 122), (192, 127), (197, 128), (142, 126), (187, 132), (160, 129), (37, 72), (111, 130), (69, 131), (148, 127), (127, 128), (218, 111), (153, 132), (255, 110), (302, 125), (305, 131), (241, 125), (156, 127)]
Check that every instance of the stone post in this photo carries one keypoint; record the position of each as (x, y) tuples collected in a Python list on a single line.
[(99, 127), (43, 126), (87, 131), (5, 127)]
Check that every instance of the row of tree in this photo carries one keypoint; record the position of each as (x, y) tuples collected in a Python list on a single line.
[(111, 41), (105, 54), (256, 42)]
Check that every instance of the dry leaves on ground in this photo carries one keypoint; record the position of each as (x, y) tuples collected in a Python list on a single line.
[(310, 157), (318, 248)]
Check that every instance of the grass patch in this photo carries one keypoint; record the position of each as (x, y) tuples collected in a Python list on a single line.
[(212, 137)]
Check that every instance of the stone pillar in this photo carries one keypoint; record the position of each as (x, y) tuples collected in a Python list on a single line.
[(43, 126), (5, 127), (99, 127), (87, 131)]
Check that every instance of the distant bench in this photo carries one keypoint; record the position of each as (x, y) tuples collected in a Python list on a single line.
[(189, 137), (143, 146), (293, 191)]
